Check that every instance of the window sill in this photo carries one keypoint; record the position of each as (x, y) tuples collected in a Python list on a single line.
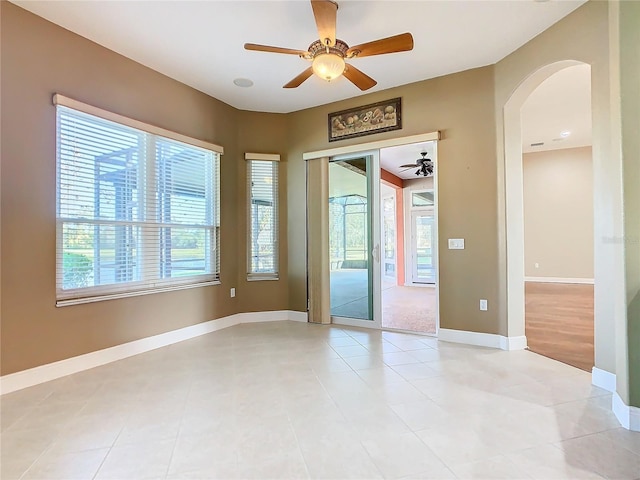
[(114, 296), (260, 279)]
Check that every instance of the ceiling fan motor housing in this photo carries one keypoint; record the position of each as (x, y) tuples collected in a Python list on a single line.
[(319, 48)]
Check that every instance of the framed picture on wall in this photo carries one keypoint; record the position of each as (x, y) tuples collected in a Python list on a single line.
[(374, 118)]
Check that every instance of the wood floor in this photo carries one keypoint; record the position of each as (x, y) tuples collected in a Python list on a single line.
[(559, 322)]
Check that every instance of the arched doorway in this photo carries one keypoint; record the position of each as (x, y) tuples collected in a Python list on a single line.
[(513, 194), (559, 217)]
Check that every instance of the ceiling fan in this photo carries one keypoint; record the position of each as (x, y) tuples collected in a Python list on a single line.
[(424, 166), (328, 54)]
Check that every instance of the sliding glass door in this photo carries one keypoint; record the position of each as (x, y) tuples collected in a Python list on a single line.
[(353, 249)]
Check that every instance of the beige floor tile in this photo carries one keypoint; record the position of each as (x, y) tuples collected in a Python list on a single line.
[(148, 460), (376, 377), (625, 439), (293, 400), (67, 466), (399, 358), (456, 444), (331, 458), (213, 453), (365, 362), (549, 462), (382, 347), (396, 393), (351, 351), (420, 415), (600, 455), (493, 468), (426, 354), (401, 455), (415, 371)]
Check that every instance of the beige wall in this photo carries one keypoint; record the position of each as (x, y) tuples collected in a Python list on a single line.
[(261, 133), (38, 60), (558, 213), (630, 116), (462, 107)]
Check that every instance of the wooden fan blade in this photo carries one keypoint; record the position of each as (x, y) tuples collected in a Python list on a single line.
[(296, 82), (397, 43), (406, 169), (409, 165), (267, 48), (325, 12), (359, 79)]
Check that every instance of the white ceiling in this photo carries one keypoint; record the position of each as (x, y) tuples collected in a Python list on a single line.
[(562, 103), (200, 43)]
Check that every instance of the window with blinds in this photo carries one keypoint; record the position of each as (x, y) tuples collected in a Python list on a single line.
[(136, 212), (263, 216)]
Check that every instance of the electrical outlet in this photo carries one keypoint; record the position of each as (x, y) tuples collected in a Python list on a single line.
[(483, 305), (233, 292)]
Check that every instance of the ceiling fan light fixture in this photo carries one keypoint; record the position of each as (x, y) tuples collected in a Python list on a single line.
[(328, 66)]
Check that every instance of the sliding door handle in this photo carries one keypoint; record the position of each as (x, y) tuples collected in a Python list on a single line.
[(375, 253)]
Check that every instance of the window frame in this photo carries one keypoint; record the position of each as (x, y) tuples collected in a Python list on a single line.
[(147, 285), (274, 159)]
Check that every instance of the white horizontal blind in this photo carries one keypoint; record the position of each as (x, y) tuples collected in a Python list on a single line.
[(263, 217), (135, 211)]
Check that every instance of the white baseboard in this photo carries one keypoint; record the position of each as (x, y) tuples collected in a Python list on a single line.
[(295, 316), (482, 339), (588, 281), (629, 417), (51, 371), (603, 379)]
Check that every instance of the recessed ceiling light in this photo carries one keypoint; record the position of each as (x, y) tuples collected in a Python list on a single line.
[(565, 134), (243, 82)]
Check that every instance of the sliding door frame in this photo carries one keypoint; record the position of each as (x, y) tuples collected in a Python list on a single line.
[(359, 150), (373, 231)]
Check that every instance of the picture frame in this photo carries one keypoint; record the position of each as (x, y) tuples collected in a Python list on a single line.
[(365, 120)]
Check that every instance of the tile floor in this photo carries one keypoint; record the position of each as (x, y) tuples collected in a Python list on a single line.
[(294, 400)]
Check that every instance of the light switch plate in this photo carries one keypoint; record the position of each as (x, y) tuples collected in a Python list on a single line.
[(456, 244), (232, 292), (483, 305)]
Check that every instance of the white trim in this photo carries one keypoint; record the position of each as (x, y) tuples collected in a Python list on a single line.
[(295, 316), (482, 339), (603, 379), (588, 281), (513, 343), (269, 157), (629, 417), (130, 122), (133, 293), (392, 142), (51, 371)]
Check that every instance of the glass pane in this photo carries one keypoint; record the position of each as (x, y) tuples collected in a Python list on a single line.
[(263, 219), (99, 254), (184, 251), (422, 199), (349, 240), (424, 252)]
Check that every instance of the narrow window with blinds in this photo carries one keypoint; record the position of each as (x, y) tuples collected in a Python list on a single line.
[(263, 216), (136, 212)]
